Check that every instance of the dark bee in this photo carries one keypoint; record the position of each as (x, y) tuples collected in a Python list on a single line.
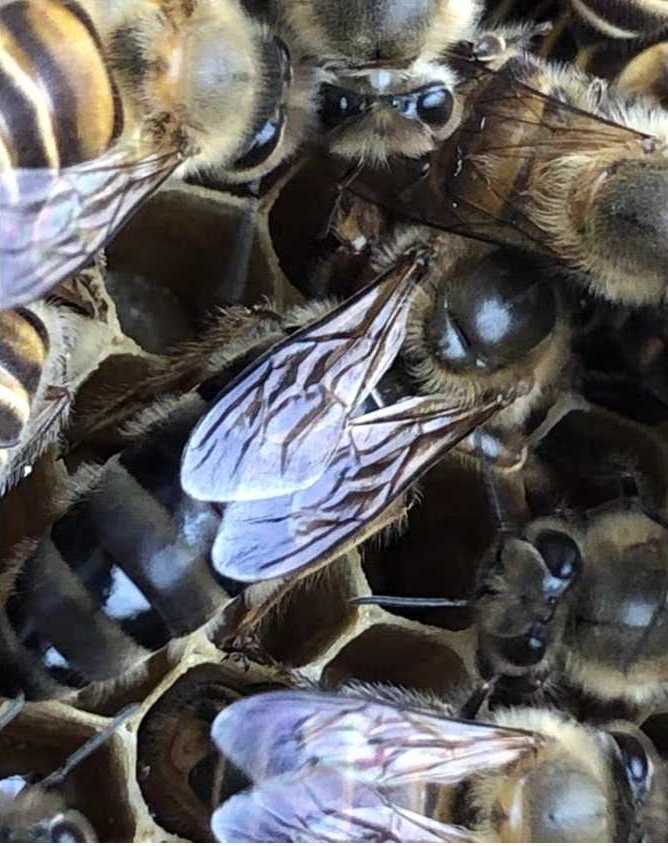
[(378, 764), (101, 103)]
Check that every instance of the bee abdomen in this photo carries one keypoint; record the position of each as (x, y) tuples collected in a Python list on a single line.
[(24, 347), (57, 100)]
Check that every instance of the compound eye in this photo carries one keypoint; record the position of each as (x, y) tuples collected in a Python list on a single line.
[(636, 762), (434, 107), (71, 827), (524, 650), (264, 143), (339, 104), (560, 553)]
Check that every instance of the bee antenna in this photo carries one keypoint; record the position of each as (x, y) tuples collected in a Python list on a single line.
[(411, 601), (15, 707), (89, 747), (503, 525)]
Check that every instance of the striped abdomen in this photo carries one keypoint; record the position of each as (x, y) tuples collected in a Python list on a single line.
[(57, 100), (122, 573), (24, 347)]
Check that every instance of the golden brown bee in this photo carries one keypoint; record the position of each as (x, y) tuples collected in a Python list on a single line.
[(46, 350), (101, 102), (552, 161), (377, 763), (387, 87)]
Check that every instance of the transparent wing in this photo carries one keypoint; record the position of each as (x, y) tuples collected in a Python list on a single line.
[(53, 221), (383, 743), (475, 184), (378, 457), (324, 805), (273, 429)]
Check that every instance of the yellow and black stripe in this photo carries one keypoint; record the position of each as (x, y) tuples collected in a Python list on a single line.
[(58, 102), (24, 346)]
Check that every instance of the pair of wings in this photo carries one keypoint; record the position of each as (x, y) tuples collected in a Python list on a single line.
[(52, 222), (463, 186), (299, 471), (337, 768)]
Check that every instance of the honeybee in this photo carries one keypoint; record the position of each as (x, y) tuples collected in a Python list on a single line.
[(37, 811), (104, 101), (569, 607), (483, 320), (552, 161), (386, 88), (335, 465), (46, 350), (380, 764)]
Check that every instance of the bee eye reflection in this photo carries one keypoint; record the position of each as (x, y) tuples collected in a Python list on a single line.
[(434, 107), (264, 143)]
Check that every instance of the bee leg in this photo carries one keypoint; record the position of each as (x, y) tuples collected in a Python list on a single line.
[(480, 695), (349, 177)]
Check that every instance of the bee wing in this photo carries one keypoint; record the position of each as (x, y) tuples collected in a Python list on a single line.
[(469, 186), (53, 221), (385, 744), (378, 457), (324, 805), (273, 430)]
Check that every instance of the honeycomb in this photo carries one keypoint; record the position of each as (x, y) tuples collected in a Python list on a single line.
[(181, 258)]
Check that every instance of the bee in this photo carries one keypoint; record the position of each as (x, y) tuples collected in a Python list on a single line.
[(551, 161), (381, 764), (569, 607), (103, 101), (38, 811), (626, 20), (46, 350), (191, 524), (386, 89), (484, 319)]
